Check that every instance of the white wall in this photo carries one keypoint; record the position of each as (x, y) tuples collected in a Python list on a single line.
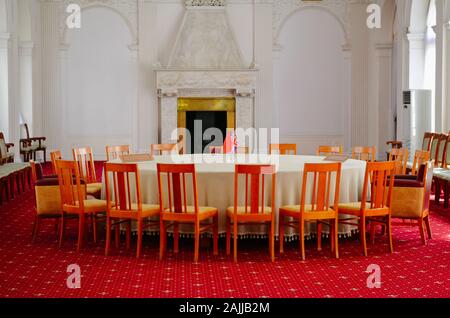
[(308, 79), (100, 83)]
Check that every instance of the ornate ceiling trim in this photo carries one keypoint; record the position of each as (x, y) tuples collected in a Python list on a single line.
[(284, 9), (126, 9)]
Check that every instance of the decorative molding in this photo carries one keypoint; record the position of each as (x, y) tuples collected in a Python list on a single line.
[(284, 9), (205, 79), (126, 9), (206, 3)]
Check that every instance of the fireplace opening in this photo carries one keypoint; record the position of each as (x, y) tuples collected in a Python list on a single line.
[(197, 122)]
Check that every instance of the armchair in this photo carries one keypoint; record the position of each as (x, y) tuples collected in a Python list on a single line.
[(5, 154), (30, 145), (411, 198)]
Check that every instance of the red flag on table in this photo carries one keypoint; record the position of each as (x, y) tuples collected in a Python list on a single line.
[(228, 144)]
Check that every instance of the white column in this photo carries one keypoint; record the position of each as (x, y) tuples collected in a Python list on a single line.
[(346, 96), (263, 56), (4, 109), (439, 93), (147, 57), (52, 112), (168, 100), (26, 82), (446, 75), (416, 59), (276, 55), (383, 54)]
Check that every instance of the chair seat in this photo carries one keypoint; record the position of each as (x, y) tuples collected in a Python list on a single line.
[(241, 211), (443, 174), (294, 211), (204, 212), (90, 206), (92, 188), (147, 210), (351, 206)]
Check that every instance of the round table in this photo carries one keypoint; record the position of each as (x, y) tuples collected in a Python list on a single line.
[(215, 184)]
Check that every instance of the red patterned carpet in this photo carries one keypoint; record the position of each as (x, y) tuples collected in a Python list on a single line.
[(40, 269)]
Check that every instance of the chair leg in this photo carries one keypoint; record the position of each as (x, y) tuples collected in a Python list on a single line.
[(94, 227), (336, 238), (331, 235), (61, 230), (319, 236), (35, 227), (422, 231), (228, 237), (235, 237), (81, 225), (216, 235), (302, 238), (437, 192), (45, 155), (117, 235), (281, 233), (176, 237), (389, 230), (445, 186), (197, 240), (427, 223), (108, 235), (363, 234), (272, 240), (128, 235), (162, 238), (139, 238)]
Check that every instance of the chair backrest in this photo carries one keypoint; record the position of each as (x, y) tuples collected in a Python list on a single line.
[(428, 173), (114, 152), (283, 149), (446, 154), (433, 146), (25, 132), (55, 155), (329, 150), (440, 150), (121, 190), (400, 158), (256, 199), (162, 149), (427, 139), (379, 176), (420, 157), (70, 187), (322, 173), (177, 198), (34, 176), (364, 153), (85, 160)]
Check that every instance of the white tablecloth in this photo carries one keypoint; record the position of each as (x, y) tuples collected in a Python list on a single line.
[(215, 182)]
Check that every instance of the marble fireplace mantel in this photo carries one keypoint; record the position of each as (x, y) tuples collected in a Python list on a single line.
[(172, 84)]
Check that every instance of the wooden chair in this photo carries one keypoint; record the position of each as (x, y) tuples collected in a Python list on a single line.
[(379, 176), (427, 141), (420, 157), (433, 146), (400, 157), (283, 149), (163, 149), (175, 210), (124, 202), (114, 152), (441, 146), (29, 146), (441, 170), (368, 154), (5, 154), (393, 144), (254, 209), (411, 200), (55, 155), (329, 150), (74, 202), (319, 210), (85, 160), (47, 198)]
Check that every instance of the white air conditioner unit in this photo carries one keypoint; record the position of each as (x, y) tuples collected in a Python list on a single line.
[(415, 117)]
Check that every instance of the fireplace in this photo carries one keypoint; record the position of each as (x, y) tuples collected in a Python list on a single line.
[(197, 115)]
